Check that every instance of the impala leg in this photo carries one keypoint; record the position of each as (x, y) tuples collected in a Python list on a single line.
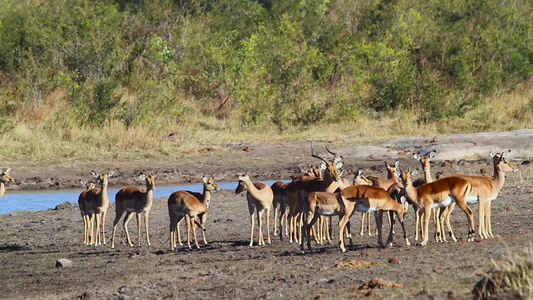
[(178, 230), (188, 225), (98, 236), (128, 217), (260, 227), (138, 217), (401, 219), (417, 223), (268, 224), (146, 225), (379, 224), (427, 215), (447, 215), (391, 232), (469, 215), (172, 228), (348, 232), (252, 231), (104, 215), (362, 233), (193, 225), (481, 218), (488, 226), (84, 217), (342, 225)]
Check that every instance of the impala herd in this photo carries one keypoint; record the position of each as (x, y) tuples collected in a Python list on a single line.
[(304, 207)]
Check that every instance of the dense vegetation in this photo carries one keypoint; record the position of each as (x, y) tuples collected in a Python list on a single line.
[(71, 66)]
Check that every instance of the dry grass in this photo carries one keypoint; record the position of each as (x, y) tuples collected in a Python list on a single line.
[(51, 135), (509, 278)]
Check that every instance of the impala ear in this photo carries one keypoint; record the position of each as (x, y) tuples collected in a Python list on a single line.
[(94, 173), (359, 172), (339, 165), (397, 173), (397, 164), (505, 153), (110, 173), (204, 179), (323, 166), (402, 200), (492, 153), (416, 156), (337, 160), (387, 165), (9, 168), (142, 176), (432, 154), (83, 182), (414, 172)]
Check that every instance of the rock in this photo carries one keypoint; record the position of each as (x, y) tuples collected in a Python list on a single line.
[(63, 263)]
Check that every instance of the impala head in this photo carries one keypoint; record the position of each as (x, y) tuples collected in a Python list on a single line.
[(361, 179), (501, 163), (102, 178), (406, 177), (424, 160), (5, 176), (329, 168), (241, 186), (210, 184), (89, 185), (150, 181)]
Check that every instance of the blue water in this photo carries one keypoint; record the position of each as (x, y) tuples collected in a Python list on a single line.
[(45, 199)]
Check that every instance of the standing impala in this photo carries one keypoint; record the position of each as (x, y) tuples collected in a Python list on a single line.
[(131, 200), (364, 198), (259, 197), (84, 212), (485, 189), (280, 203), (181, 204), (439, 194), (426, 167), (96, 204), (5, 177), (301, 187), (361, 179)]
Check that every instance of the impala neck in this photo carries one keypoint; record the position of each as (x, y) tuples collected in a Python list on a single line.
[(411, 192), (498, 178), (427, 175), (206, 196), (330, 183), (2, 188), (252, 189)]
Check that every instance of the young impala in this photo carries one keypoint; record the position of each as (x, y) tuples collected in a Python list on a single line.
[(96, 204), (259, 197), (131, 200)]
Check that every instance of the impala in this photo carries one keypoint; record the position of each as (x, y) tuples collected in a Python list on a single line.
[(84, 212), (131, 200), (280, 203), (426, 167), (301, 187), (364, 198), (181, 205), (360, 179), (5, 177), (485, 189), (438, 194), (259, 197), (391, 177), (96, 204)]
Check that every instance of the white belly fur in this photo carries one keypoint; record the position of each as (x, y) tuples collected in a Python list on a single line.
[(444, 203), (363, 208)]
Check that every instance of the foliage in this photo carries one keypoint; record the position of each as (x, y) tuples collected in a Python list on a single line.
[(289, 63)]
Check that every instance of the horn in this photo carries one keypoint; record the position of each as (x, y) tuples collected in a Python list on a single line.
[(314, 155), (327, 149)]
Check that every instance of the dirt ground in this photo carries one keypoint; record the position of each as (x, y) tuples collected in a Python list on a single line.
[(31, 242)]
